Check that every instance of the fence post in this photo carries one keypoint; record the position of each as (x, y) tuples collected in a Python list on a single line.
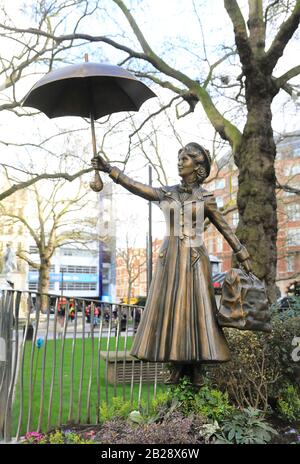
[(6, 327)]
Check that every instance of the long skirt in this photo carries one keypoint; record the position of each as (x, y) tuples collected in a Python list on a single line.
[(179, 322)]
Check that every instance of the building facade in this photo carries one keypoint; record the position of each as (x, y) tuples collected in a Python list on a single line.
[(84, 270), (74, 272)]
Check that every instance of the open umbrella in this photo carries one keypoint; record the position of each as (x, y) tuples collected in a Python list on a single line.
[(90, 90)]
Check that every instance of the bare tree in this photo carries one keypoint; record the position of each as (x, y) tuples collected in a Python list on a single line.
[(133, 260), (55, 218)]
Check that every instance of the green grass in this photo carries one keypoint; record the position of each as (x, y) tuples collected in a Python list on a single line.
[(107, 391)]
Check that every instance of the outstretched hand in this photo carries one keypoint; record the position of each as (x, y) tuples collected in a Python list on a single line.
[(99, 164)]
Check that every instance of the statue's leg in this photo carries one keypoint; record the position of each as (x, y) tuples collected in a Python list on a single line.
[(198, 375), (175, 373)]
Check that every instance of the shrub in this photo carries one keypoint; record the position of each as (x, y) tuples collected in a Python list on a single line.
[(33, 438), (245, 427), (176, 428), (57, 437), (289, 403), (292, 309), (118, 408), (212, 403), (260, 364), (206, 402), (183, 395)]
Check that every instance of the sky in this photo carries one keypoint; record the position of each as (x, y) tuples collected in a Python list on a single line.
[(168, 25)]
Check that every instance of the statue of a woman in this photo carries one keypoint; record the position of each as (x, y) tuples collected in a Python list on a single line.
[(9, 262), (179, 324)]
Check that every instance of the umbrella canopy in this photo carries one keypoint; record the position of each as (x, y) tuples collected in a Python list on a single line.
[(87, 89)]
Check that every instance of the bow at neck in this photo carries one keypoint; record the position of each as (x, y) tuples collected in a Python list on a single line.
[(187, 188)]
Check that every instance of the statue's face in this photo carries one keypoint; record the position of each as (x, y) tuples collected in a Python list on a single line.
[(186, 164)]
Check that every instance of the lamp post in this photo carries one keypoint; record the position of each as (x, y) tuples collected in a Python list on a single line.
[(149, 241)]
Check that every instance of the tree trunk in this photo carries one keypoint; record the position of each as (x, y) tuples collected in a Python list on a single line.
[(256, 197), (43, 286), (129, 292)]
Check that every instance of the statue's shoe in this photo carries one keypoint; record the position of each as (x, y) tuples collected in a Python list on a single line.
[(175, 373)]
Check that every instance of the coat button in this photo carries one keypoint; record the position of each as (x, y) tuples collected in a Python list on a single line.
[(161, 255)]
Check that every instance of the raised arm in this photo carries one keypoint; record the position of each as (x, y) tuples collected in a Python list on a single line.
[(216, 217), (142, 190)]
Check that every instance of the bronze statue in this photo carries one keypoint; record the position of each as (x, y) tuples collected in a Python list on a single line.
[(179, 324), (9, 260)]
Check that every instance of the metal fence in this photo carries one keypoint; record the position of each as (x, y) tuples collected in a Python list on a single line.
[(68, 363)]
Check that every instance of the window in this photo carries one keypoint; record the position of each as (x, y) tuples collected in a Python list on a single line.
[(78, 286), (77, 252), (234, 181), (33, 250), (220, 184), (293, 237), (289, 263), (219, 245), (220, 202), (79, 269), (235, 218), (210, 245), (293, 212), (33, 286)]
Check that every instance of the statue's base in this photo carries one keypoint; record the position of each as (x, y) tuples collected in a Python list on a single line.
[(15, 281), (4, 284)]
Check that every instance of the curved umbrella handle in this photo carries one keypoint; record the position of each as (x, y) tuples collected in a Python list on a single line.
[(96, 184)]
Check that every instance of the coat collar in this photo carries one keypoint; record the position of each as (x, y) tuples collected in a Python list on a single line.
[(199, 193)]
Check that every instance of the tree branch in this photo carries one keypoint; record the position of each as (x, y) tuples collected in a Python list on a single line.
[(23, 220), (282, 37), (287, 188), (14, 188), (21, 254), (293, 72), (78, 36), (226, 129), (256, 28), (213, 67), (240, 31)]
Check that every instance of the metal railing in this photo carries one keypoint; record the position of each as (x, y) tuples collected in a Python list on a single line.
[(65, 363)]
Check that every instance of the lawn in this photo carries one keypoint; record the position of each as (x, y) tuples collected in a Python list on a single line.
[(74, 400)]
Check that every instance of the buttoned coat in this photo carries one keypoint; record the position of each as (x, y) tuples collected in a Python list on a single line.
[(179, 322)]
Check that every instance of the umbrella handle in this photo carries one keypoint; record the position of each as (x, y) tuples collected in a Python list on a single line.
[(96, 184)]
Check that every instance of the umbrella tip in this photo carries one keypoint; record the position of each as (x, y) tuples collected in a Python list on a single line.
[(86, 57)]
